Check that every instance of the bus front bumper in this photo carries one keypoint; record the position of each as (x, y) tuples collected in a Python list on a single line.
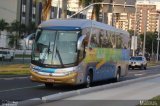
[(68, 79)]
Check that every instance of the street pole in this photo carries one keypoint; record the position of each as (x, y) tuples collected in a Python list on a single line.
[(64, 9), (145, 28), (113, 20), (158, 35), (102, 3), (58, 6), (152, 47), (135, 29)]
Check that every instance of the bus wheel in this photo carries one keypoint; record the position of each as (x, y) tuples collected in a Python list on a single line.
[(48, 85), (88, 80), (117, 78)]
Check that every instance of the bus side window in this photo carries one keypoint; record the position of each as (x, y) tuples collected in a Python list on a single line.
[(119, 42), (82, 52), (94, 42)]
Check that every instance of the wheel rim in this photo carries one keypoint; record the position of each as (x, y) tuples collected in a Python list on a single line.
[(118, 76), (88, 81)]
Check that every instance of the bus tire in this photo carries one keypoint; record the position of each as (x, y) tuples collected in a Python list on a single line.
[(48, 85), (88, 80), (117, 77)]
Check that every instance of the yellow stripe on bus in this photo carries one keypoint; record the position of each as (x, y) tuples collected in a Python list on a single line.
[(103, 61)]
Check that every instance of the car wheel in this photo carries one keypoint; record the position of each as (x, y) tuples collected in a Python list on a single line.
[(145, 67), (142, 67), (48, 85)]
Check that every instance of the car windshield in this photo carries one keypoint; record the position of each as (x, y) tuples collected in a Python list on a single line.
[(55, 47), (136, 58), (3, 52)]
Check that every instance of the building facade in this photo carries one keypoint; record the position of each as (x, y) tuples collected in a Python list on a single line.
[(146, 15), (8, 10)]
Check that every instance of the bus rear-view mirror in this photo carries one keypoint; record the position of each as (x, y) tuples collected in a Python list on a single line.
[(80, 41)]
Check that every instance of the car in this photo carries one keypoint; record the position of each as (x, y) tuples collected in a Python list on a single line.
[(6, 55), (138, 62)]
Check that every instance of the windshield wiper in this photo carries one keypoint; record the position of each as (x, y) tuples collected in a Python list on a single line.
[(49, 47), (60, 59)]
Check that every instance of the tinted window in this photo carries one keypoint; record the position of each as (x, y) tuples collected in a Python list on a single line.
[(136, 58)]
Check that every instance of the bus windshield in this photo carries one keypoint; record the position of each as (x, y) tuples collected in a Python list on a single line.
[(55, 48)]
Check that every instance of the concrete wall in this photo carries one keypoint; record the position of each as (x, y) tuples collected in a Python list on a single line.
[(8, 10)]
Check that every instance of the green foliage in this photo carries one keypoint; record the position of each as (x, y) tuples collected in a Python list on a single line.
[(150, 37), (14, 41), (15, 37), (3, 25)]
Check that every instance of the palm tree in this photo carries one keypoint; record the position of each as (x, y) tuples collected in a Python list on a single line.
[(46, 8), (3, 25), (16, 29), (96, 8)]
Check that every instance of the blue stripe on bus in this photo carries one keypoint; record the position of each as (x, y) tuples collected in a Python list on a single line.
[(106, 71), (47, 70), (66, 28)]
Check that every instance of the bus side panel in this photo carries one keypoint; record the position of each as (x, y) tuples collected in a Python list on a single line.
[(105, 62)]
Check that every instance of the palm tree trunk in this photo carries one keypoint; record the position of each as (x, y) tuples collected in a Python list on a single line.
[(64, 9), (46, 10)]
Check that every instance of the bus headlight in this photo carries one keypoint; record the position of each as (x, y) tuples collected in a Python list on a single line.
[(65, 72)]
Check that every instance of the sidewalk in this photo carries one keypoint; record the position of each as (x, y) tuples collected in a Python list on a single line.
[(128, 95)]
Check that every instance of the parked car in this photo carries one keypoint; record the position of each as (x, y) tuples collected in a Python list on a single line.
[(138, 62), (6, 55)]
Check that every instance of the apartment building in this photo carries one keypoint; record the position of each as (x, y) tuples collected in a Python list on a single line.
[(146, 15)]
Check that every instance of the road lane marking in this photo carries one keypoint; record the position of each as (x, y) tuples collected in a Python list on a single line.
[(21, 88), (138, 74)]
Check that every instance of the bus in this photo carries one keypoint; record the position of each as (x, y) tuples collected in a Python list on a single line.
[(78, 51)]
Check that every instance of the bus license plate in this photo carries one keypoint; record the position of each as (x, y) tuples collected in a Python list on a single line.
[(50, 80)]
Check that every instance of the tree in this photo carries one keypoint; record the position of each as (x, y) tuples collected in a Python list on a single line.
[(46, 8), (150, 38), (3, 25), (15, 28)]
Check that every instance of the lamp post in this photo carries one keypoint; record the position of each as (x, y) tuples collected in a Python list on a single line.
[(102, 3), (145, 28), (135, 30), (58, 8), (158, 34)]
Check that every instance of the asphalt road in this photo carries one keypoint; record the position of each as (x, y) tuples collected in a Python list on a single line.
[(21, 88)]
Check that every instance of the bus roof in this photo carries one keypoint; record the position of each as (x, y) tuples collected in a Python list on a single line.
[(80, 23)]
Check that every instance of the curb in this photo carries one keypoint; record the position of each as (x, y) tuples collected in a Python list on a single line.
[(153, 66), (60, 96), (30, 102), (55, 97)]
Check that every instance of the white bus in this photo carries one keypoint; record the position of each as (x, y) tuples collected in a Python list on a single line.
[(78, 51)]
